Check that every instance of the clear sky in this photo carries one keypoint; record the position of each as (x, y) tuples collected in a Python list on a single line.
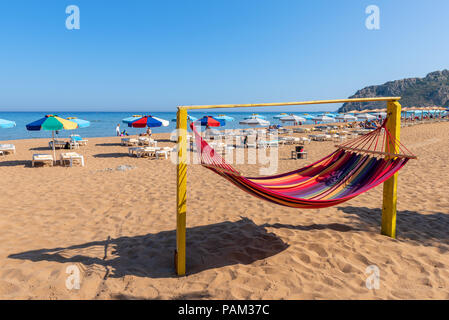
[(154, 55)]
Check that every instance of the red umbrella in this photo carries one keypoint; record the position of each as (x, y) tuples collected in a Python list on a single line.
[(210, 121)]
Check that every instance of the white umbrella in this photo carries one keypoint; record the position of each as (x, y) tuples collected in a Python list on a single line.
[(346, 117), (323, 118), (365, 116), (292, 118), (255, 121), (280, 115)]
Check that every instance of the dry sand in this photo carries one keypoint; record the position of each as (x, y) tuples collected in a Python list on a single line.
[(118, 228)]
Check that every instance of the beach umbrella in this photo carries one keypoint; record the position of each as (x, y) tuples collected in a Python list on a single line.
[(224, 117), (280, 115), (293, 118), (210, 121), (52, 123), (6, 124), (328, 114), (255, 115), (81, 123), (254, 122), (307, 116), (365, 116), (346, 117), (189, 118), (322, 118), (132, 118), (148, 121)]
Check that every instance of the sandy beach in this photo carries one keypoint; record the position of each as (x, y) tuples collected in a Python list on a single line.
[(118, 228)]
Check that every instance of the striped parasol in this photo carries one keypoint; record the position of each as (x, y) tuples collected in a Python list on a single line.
[(209, 121), (52, 123), (147, 121)]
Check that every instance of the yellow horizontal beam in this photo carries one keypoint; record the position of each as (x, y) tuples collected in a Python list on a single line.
[(251, 105)]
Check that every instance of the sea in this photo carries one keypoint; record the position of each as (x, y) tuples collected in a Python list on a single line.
[(103, 124)]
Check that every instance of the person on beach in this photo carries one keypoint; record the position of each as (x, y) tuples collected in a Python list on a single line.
[(117, 130), (147, 133)]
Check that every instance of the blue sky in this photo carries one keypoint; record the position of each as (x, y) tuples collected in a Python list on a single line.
[(154, 55)]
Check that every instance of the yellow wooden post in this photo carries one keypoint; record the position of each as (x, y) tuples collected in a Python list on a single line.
[(391, 185), (181, 195)]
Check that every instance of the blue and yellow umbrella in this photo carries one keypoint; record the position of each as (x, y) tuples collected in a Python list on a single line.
[(81, 123)]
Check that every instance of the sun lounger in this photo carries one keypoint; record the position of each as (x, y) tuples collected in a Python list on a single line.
[(145, 141), (42, 158), (143, 151), (72, 157), (129, 142), (77, 139), (133, 151), (58, 144), (164, 151), (317, 137), (267, 144), (7, 148), (289, 140)]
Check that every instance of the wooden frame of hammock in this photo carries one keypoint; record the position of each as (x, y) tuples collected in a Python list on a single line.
[(390, 186)]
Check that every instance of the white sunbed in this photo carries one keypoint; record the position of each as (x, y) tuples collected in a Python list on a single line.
[(58, 144), (267, 144), (130, 141), (7, 148), (72, 157), (42, 158), (133, 151), (76, 139), (144, 141), (142, 151), (164, 151)]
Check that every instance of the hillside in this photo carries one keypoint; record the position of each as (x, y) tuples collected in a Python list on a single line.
[(420, 92)]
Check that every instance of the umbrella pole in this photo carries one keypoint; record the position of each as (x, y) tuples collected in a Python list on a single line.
[(54, 151)]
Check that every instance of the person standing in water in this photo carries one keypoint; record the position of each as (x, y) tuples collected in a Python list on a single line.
[(117, 130)]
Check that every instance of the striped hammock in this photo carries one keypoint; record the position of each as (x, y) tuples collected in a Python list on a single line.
[(355, 167)]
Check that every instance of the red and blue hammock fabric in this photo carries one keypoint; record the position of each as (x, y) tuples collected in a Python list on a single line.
[(354, 168)]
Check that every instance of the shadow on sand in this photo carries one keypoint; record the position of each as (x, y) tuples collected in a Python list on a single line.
[(426, 229), (44, 149), (152, 255), (116, 144), (111, 155), (14, 163)]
